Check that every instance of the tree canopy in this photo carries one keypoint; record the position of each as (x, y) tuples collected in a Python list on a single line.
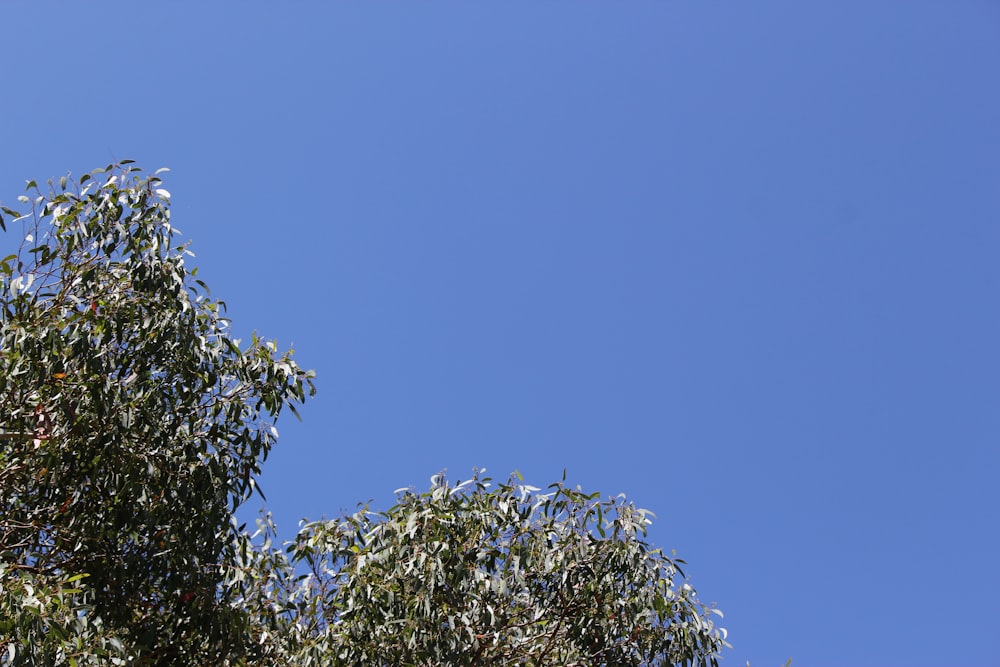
[(133, 425), (469, 574)]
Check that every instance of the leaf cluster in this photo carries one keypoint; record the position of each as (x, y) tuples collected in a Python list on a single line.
[(131, 427), (475, 575)]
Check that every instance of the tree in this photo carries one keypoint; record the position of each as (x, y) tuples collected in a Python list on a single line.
[(474, 575), (132, 425)]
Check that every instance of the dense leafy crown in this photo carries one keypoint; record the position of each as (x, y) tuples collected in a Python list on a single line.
[(132, 425), (474, 575)]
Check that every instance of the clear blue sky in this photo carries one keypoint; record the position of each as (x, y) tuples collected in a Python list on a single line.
[(739, 260)]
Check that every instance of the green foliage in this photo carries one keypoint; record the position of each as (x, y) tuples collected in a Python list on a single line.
[(132, 425), (475, 575)]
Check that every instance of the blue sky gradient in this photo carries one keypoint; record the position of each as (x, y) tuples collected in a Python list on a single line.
[(737, 260)]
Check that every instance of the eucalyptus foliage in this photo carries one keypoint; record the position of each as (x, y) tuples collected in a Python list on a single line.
[(474, 575), (131, 427)]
